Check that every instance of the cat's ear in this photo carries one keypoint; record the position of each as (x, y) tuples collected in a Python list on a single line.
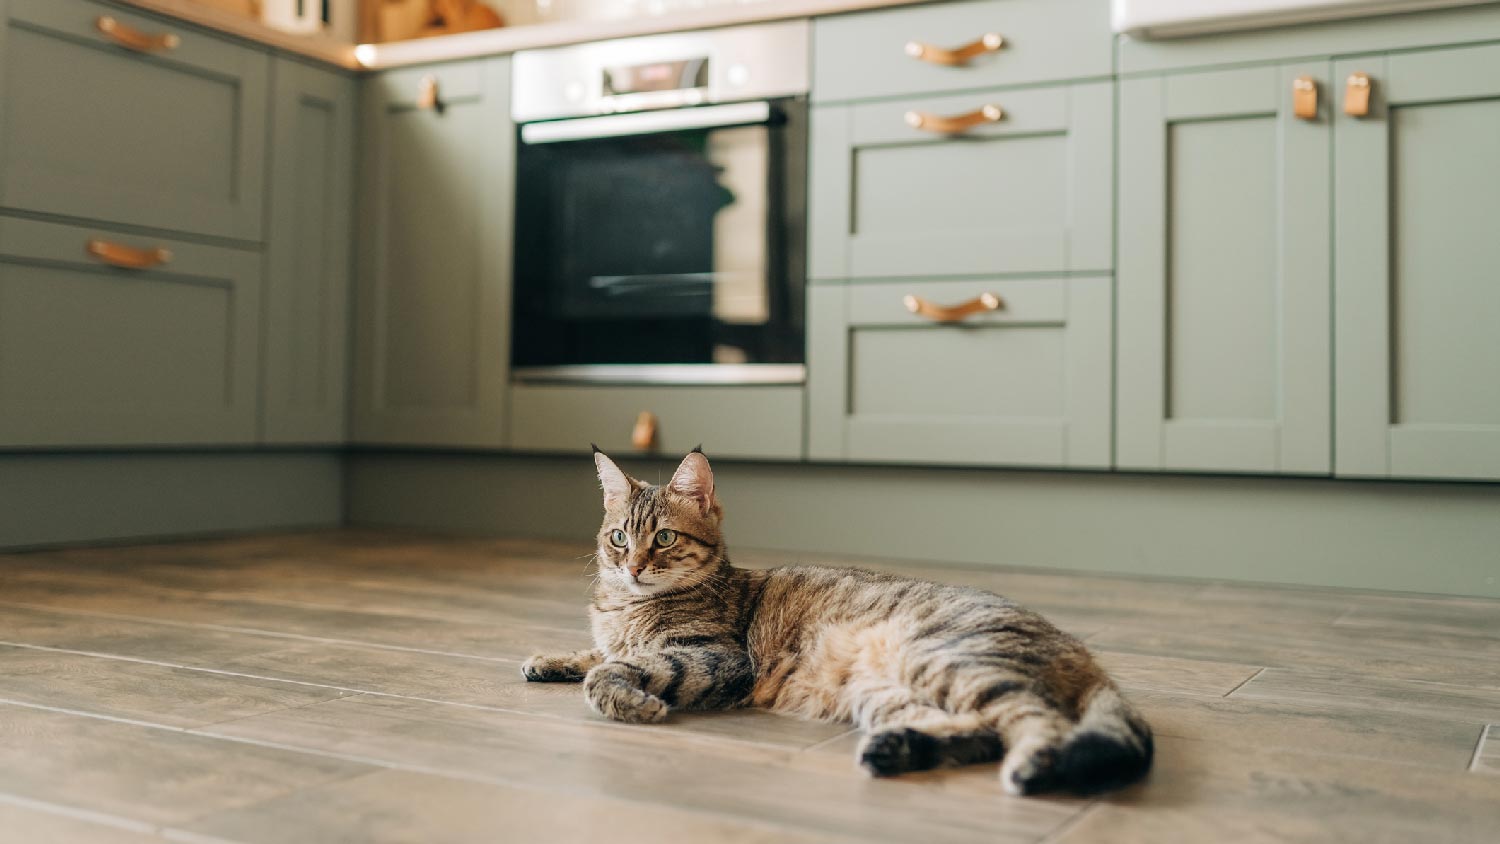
[(694, 479), (615, 483)]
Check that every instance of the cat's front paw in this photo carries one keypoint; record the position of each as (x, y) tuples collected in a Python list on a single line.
[(551, 669), (614, 695)]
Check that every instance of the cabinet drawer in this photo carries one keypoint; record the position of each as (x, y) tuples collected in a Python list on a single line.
[(1029, 192), (170, 139), (95, 355), (870, 54), (1025, 384), (741, 421)]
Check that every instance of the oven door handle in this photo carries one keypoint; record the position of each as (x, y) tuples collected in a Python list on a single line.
[(647, 123)]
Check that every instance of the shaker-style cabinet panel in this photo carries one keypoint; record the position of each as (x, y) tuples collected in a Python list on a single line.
[(432, 299), (980, 183), (1418, 247), (308, 256), (988, 372), (111, 339), (115, 116), (1224, 342)]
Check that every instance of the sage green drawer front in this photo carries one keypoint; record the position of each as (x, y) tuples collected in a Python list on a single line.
[(1027, 384), (1029, 193), (742, 421), (867, 55), (173, 139), (92, 355), (1224, 322), (1417, 298)]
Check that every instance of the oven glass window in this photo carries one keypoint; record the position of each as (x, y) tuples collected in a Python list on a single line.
[(657, 248)]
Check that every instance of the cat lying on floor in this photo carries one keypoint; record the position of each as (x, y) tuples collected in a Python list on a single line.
[(935, 675)]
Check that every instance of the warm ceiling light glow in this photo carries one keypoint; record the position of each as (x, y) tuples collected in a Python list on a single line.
[(365, 54)]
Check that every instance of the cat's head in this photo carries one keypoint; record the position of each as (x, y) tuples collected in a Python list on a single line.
[(659, 538)]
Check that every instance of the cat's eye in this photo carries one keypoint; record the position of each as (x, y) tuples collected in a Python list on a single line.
[(665, 537), (617, 538)]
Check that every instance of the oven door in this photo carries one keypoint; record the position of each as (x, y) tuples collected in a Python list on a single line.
[(663, 237)]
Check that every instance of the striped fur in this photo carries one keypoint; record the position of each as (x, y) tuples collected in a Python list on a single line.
[(935, 674)]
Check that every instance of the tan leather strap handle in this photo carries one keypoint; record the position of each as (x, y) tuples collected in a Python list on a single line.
[(952, 313), (957, 57), (643, 435), (429, 95), (133, 39), (955, 124), (1357, 95), (1305, 98), (129, 257)]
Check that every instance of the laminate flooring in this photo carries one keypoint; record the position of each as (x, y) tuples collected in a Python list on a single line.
[(355, 686)]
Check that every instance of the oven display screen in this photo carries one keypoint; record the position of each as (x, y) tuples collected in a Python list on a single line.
[(657, 76)]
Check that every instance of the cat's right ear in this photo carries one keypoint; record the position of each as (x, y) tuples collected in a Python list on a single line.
[(615, 483)]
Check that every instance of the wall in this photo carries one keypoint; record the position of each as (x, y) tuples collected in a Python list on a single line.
[(1421, 537)]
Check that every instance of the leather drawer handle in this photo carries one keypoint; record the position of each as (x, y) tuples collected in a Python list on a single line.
[(129, 257), (990, 113), (982, 303), (1357, 95), (958, 57), (643, 435), (133, 39), (429, 95)]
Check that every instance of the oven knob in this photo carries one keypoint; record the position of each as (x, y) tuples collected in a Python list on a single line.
[(738, 75)]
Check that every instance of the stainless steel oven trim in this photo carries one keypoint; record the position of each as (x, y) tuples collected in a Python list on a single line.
[(675, 374), (646, 123)]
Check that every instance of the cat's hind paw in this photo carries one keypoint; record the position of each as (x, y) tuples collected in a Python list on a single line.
[(886, 753)]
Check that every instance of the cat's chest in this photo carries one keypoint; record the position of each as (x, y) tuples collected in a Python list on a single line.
[(619, 631)]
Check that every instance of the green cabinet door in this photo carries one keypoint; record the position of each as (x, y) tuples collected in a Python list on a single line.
[(1023, 383), (308, 255), (1029, 192), (1224, 351), (172, 138), (1418, 258), (432, 298), (165, 353)]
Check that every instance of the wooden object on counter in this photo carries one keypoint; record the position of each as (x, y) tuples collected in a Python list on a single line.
[(403, 19), (248, 8)]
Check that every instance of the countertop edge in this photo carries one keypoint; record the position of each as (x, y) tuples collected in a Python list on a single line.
[(317, 47), (496, 42)]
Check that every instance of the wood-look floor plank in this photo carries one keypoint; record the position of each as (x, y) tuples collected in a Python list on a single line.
[(1151, 672), (1329, 648), (1382, 734), (26, 825), (401, 806), (332, 667), (1474, 617), (175, 697), (147, 774), (1358, 692), (639, 764), (1199, 791)]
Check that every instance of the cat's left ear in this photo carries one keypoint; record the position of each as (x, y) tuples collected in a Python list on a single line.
[(694, 479)]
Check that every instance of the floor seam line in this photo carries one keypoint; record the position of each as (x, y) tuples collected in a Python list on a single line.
[(1244, 682), (1070, 822)]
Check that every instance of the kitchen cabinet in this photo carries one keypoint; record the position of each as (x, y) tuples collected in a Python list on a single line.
[(117, 117), (308, 255), (1020, 376), (1224, 341), (935, 47), (113, 339), (432, 296), (1417, 303), (1022, 185), (743, 421)]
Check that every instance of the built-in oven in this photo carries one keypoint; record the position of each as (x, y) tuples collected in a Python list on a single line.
[(660, 208)]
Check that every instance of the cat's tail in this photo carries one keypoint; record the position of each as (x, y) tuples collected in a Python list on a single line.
[(1110, 747)]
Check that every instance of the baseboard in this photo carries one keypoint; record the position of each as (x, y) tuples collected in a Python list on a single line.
[(1413, 537), (56, 499)]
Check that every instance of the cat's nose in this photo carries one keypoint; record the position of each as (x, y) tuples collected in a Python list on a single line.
[(635, 570)]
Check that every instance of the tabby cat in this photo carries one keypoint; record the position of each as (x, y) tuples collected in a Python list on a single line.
[(936, 675)]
